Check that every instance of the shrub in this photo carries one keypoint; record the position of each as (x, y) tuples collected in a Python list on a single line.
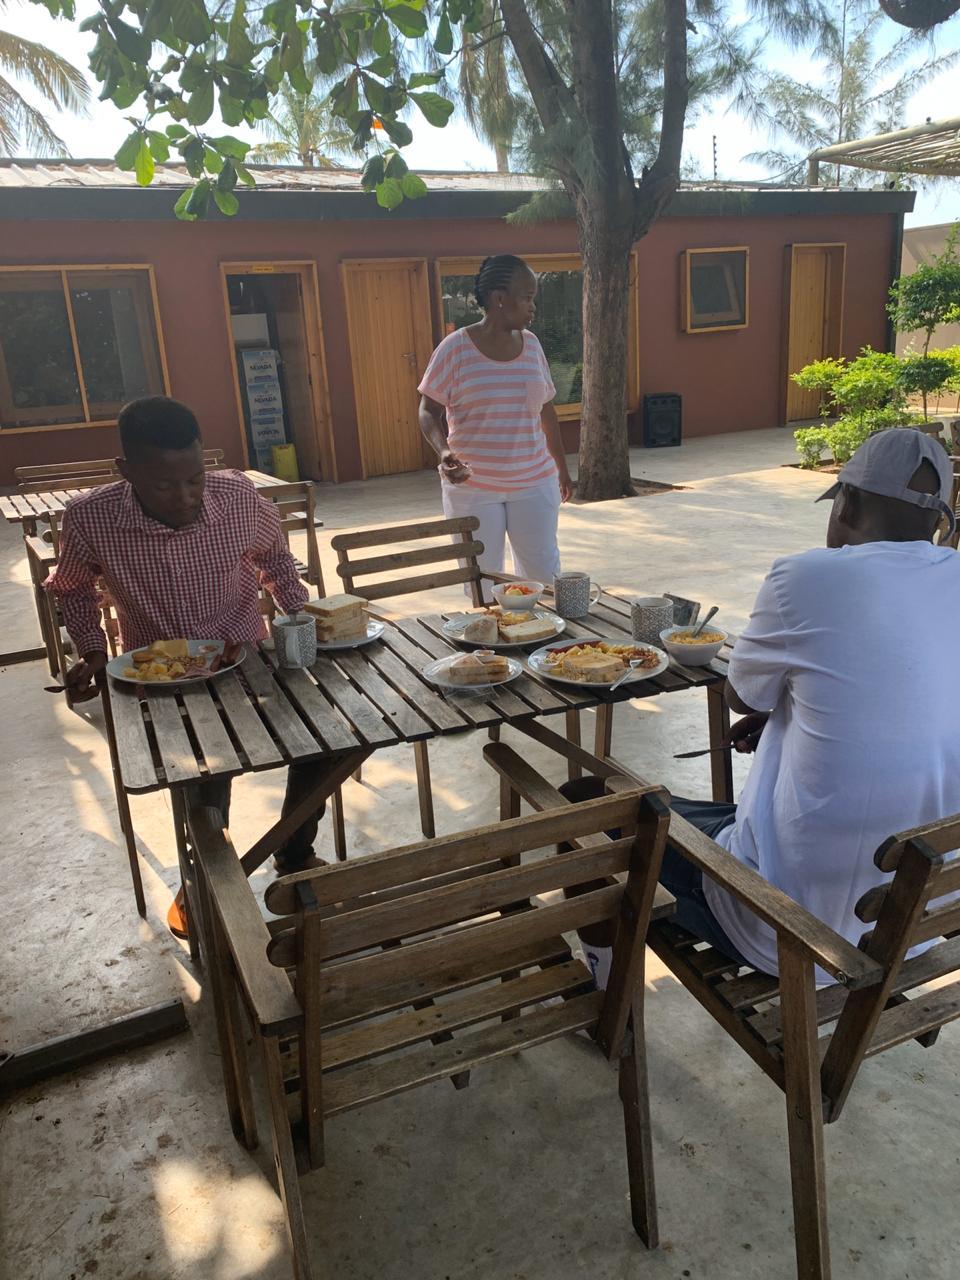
[(811, 442), (821, 375), (926, 374), (845, 437), (930, 296)]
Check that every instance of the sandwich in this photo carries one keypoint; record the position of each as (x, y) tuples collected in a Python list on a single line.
[(482, 630), (593, 667), (533, 629), (173, 649), (482, 667), (339, 617)]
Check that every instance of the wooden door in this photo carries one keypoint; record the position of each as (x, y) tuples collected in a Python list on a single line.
[(814, 325), (388, 318)]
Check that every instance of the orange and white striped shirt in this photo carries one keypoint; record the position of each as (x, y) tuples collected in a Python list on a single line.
[(493, 411)]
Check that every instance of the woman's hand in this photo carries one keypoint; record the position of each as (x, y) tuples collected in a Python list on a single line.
[(566, 485), (452, 469)]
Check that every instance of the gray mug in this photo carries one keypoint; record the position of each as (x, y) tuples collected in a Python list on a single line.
[(574, 594), (649, 616), (295, 639)]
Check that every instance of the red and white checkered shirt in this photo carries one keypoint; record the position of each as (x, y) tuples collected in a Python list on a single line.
[(200, 582)]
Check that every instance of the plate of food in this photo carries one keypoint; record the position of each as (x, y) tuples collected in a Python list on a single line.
[(599, 662), (172, 662), (480, 670), (342, 622), (504, 628)]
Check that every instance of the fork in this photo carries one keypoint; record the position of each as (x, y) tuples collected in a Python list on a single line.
[(634, 663)]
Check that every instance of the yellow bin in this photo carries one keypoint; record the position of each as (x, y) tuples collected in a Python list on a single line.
[(285, 462)]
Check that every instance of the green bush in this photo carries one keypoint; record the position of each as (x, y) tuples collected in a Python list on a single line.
[(931, 295), (926, 374), (952, 355), (845, 437), (811, 442)]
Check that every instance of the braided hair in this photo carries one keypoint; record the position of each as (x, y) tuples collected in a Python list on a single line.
[(496, 273)]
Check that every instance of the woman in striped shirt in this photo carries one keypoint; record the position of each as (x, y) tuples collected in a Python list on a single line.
[(501, 458)]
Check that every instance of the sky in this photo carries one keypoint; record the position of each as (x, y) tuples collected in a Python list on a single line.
[(456, 147)]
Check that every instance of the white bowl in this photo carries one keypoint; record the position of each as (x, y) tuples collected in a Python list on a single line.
[(692, 655), (519, 602)]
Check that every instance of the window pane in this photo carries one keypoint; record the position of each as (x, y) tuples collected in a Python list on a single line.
[(559, 323), (113, 312), (38, 376), (718, 289)]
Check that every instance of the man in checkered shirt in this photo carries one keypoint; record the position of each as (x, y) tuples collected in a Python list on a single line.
[(182, 552)]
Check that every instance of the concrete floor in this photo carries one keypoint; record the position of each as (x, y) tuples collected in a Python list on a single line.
[(129, 1171)]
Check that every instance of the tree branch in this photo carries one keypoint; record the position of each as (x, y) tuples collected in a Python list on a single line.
[(551, 96), (659, 183)]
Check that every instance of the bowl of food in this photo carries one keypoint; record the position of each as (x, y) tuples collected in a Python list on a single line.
[(690, 650), (518, 595)]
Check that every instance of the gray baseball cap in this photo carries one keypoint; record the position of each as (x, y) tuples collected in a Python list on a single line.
[(886, 462)]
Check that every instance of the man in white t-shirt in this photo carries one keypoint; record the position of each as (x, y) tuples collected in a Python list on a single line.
[(849, 679)]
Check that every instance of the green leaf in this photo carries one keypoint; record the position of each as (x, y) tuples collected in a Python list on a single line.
[(396, 166), (408, 21), (233, 147), (377, 94), (384, 67), (190, 21), (436, 110), (231, 109), (199, 202), (176, 131), (212, 160), (157, 18), (180, 208), (133, 44), (227, 202), (228, 176), (200, 106), (240, 48), (159, 147), (125, 94), (245, 176), (192, 153), (126, 157), (382, 43), (144, 164), (373, 173), (299, 79), (398, 132), (413, 186), (389, 194), (443, 40), (421, 78)]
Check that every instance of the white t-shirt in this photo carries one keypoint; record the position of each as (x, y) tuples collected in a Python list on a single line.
[(855, 651)]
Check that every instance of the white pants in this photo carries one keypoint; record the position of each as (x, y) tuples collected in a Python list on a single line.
[(528, 518)]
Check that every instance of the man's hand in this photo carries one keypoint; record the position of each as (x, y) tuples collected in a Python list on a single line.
[(452, 469), (566, 485), (81, 677), (744, 736)]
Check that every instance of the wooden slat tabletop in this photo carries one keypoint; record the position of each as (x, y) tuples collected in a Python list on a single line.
[(261, 717)]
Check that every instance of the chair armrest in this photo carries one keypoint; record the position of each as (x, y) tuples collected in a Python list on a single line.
[(849, 966), (267, 989), (500, 577)]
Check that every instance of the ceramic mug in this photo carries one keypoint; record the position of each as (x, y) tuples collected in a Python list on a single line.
[(574, 594), (649, 615), (295, 639)]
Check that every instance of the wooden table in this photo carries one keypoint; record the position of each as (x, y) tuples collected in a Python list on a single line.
[(349, 705), (27, 508)]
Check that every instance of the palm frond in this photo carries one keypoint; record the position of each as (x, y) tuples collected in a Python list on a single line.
[(56, 79), (23, 127)]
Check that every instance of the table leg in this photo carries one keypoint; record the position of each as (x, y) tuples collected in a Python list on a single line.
[(603, 741), (335, 772), (187, 880), (721, 762), (574, 770), (123, 805)]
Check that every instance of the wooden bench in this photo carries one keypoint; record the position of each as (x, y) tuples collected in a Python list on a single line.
[(52, 477), (422, 963)]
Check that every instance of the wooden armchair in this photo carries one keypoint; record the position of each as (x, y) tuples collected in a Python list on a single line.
[(876, 1001), (297, 507), (450, 540), (393, 992)]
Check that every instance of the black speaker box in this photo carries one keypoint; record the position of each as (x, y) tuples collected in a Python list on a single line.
[(661, 421)]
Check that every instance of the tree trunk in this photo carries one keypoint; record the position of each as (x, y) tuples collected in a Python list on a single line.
[(502, 152), (604, 456)]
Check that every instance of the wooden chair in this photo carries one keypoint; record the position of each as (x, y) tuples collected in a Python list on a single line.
[(954, 538), (392, 991), (54, 476), (449, 540), (297, 505)]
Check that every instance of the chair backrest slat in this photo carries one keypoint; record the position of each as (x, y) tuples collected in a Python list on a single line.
[(941, 837), (436, 908), (296, 505), (394, 867), (456, 542), (54, 476)]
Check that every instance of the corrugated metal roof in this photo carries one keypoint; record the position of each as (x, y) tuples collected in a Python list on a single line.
[(47, 174)]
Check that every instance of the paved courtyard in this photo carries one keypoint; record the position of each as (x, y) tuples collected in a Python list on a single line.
[(129, 1171)]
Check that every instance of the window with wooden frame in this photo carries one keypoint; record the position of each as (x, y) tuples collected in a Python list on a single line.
[(558, 324), (715, 289), (76, 343)]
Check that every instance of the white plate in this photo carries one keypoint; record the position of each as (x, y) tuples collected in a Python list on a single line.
[(454, 627), (117, 666), (536, 663), (435, 672), (374, 632)]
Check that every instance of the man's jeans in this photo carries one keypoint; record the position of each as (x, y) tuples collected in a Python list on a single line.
[(680, 877), (300, 779)]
